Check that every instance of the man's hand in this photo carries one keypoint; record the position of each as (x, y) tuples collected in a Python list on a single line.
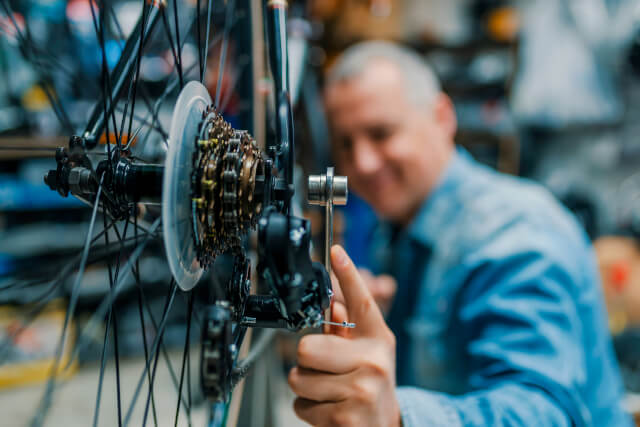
[(348, 378), (383, 288)]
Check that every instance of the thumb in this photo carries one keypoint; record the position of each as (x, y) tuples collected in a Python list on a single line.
[(361, 307)]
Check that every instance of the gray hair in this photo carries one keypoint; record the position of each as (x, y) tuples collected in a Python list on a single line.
[(422, 84)]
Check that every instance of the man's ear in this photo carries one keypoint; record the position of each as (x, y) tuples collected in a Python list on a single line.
[(444, 114)]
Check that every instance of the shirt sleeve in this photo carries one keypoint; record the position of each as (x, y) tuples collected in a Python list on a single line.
[(501, 406), (522, 333)]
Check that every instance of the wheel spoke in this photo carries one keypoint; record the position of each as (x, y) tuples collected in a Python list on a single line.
[(48, 294), (151, 382), (105, 344), (88, 331), (145, 122), (160, 336), (113, 313), (185, 356), (35, 54), (152, 353), (133, 86), (189, 401), (143, 93), (66, 270), (107, 93), (30, 53), (118, 247), (206, 41), (103, 85), (179, 59), (199, 37), (171, 86), (163, 349), (176, 60), (143, 328), (225, 42), (73, 300)]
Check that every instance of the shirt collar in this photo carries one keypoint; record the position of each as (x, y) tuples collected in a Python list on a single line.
[(442, 202)]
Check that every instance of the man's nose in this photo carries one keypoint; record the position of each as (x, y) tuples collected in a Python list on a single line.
[(366, 159)]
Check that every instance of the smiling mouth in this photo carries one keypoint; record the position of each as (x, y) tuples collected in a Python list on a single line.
[(380, 181)]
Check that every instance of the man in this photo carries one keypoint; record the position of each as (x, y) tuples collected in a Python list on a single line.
[(498, 316)]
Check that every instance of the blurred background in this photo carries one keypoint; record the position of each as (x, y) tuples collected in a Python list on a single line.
[(545, 89)]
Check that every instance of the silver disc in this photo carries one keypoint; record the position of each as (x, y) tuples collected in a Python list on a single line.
[(176, 190)]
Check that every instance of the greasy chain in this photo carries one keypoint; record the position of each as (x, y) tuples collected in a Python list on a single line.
[(224, 205)]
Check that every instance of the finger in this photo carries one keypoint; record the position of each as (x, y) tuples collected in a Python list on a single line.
[(383, 291), (312, 412), (387, 285), (329, 353), (339, 315), (362, 309), (337, 291), (319, 386), (370, 280), (366, 275)]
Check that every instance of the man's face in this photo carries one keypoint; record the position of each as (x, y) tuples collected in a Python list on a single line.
[(391, 150)]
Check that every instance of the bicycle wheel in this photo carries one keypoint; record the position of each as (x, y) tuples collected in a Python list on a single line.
[(169, 93)]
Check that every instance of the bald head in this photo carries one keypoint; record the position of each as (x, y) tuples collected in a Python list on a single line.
[(420, 83)]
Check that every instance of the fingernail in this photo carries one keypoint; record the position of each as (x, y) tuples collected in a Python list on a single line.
[(340, 256)]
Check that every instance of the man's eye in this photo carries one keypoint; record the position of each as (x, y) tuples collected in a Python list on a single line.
[(380, 134), (345, 143)]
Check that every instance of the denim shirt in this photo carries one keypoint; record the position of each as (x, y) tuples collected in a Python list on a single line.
[(499, 314)]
